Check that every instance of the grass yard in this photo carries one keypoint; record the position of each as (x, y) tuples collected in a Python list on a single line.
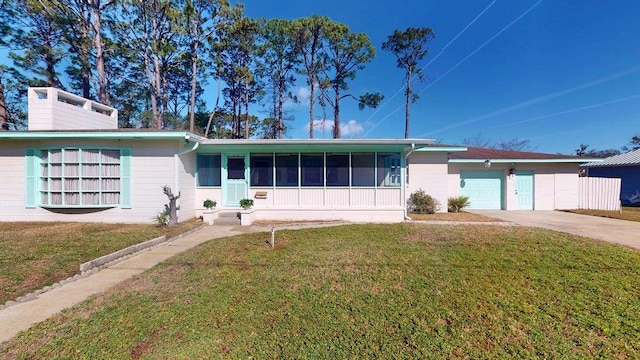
[(37, 254), (364, 291), (628, 213)]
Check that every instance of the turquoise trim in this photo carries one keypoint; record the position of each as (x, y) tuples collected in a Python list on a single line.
[(125, 178), (441, 149), (282, 149), (32, 162), (518, 161)]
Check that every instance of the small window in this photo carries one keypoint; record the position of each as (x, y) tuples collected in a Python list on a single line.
[(389, 169), (286, 169), (363, 169), (261, 169), (337, 169), (312, 167), (208, 169), (235, 167)]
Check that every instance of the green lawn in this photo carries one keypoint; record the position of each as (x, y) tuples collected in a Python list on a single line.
[(37, 254), (364, 291), (628, 213)]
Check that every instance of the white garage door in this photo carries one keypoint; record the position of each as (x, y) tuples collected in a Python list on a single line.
[(484, 188)]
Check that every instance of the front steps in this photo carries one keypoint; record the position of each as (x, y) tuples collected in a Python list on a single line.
[(227, 218)]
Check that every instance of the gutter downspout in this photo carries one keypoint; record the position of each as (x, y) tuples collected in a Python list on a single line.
[(176, 158), (404, 185)]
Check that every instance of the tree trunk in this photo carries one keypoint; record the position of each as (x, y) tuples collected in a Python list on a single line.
[(194, 78), (406, 104), (173, 208), (280, 106), (153, 93), (312, 102), (246, 110), (51, 67), (103, 97), (4, 121), (336, 115)]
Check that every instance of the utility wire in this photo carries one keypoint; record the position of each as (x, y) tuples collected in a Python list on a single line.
[(537, 100), (424, 67), (566, 111), (481, 46)]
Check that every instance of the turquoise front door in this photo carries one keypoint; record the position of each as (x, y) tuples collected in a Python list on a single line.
[(524, 190), (235, 183)]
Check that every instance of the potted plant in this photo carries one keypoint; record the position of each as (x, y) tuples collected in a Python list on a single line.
[(209, 204), (209, 215), (246, 203), (247, 216)]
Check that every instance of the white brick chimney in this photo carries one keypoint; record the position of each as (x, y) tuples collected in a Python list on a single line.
[(53, 109)]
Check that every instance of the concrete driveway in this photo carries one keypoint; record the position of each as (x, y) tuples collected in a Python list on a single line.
[(612, 230)]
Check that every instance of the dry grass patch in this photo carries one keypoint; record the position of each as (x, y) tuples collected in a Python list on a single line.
[(459, 216), (628, 213), (38, 254)]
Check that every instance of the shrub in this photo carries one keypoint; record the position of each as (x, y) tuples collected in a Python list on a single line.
[(162, 218), (246, 203), (421, 203), (209, 204), (457, 203)]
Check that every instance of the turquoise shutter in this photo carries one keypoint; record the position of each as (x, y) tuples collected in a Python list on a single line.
[(125, 178), (31, 182)]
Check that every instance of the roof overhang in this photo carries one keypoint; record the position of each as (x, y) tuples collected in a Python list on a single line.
[(447, 148), (120, 135), (327, 142), (522, 161)]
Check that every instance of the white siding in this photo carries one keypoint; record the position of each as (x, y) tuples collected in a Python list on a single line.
[(428, 171), (152, 167), (201, 194), (566, 195), (187, 186)]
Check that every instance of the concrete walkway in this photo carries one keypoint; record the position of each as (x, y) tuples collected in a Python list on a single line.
[(612, 230), (24, 314)]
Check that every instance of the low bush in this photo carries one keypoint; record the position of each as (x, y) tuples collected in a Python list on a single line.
[(455, 204), (421, 203)]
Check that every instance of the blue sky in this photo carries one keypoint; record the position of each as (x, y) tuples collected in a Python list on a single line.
[(559, 73)]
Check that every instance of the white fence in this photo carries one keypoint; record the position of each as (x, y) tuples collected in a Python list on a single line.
[(599, 193)]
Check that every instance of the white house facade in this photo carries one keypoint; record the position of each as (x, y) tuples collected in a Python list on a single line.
[(67, 168)]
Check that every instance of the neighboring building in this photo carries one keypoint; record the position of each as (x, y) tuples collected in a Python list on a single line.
[(75, 165), (624, 166)]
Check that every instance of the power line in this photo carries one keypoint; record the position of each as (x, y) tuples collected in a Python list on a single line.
[(537, 100), (566, 111), (424, 67), (481, 46)]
